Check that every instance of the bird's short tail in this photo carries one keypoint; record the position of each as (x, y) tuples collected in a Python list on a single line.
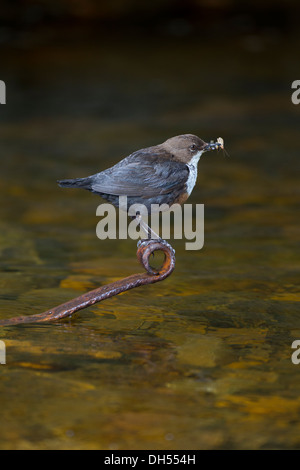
[(75, 183)]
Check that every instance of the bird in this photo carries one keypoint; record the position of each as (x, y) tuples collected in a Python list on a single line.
[(161, 174)]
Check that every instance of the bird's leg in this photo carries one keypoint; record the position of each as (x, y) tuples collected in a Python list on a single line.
[(151, 235), (148, 230)]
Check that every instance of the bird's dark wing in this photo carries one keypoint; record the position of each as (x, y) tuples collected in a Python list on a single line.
[(144, 174)]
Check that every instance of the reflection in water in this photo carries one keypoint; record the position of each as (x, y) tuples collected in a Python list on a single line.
[(201, 360)]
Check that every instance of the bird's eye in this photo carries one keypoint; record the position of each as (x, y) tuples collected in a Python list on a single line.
[(193, 147)]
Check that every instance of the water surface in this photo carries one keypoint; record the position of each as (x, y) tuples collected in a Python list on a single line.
[(203, 359)]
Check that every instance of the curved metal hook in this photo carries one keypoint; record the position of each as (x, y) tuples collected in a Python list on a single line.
[(145, 249)]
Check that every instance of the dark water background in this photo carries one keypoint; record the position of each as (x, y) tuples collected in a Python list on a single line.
[(203, 359)]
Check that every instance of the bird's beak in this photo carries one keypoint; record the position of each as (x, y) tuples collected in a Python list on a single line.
[(212, 146)]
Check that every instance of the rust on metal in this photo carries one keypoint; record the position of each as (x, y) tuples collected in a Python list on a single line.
[(145, 249)]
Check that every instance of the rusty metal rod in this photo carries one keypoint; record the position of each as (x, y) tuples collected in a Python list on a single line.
[(145, 249)]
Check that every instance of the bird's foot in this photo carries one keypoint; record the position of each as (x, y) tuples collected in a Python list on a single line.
[(160, 241), (146, 241)]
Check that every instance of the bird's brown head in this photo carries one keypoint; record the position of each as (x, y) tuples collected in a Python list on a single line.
[(185, 147)]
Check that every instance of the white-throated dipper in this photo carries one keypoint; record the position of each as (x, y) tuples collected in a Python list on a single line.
[(162, 174)]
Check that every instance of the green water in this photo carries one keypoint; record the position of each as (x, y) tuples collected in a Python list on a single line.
[(203, 359)]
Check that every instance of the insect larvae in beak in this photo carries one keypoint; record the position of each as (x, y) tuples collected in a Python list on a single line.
[(221, 142)]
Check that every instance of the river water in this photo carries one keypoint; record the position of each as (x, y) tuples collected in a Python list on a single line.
[(203, 359)]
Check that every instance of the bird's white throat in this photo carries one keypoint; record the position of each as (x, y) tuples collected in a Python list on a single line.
[(193, 170)]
